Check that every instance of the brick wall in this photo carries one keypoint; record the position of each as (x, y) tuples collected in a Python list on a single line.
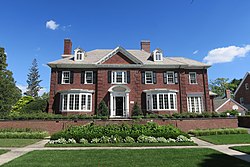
[(242, 92), (185, 125), (244, 122), (229, 106)]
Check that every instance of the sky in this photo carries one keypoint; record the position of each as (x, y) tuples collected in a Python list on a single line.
[(216, 32)]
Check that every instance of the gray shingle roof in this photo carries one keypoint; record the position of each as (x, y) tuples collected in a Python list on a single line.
[(92, 57)]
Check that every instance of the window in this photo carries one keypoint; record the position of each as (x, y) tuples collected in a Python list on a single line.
[(192, 78), (88, 77), (170, 77), (157, 55), (161, 101), (65, 77), (195, 104), (247, 86), (76, 102), (241, 100), (79, 54), (119, 77), (148, 77)]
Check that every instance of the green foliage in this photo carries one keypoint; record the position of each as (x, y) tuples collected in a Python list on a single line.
[(90, 132), (38, 105), (33, 80), (102, 109), (9, 93), (22, 134), (136, 111), (231, 112), (21, 103), (207, 132)]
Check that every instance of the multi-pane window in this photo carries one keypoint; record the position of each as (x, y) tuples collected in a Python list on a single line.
[(170, 77), (65, 77), (192, 78), (195, 104), (88, 77), (76, 102), (161, 101), (119, 77), (158, 56), (148, 77), (79, 55)]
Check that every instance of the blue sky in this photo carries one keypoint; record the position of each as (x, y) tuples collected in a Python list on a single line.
[(218, 30)]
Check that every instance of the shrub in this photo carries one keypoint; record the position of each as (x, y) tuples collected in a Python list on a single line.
[(146, 139), (83, 141), (38, 105), (129, 139), (207, 132), (182, 138), (95, 140), (161, 140), (71, 141), (170, 140), (21, 103), (136, 111), (116, 139), (24, 135), (102, 109), (231, 112), (104, 139)]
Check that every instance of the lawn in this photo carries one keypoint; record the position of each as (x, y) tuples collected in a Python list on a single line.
[(128, 158), (17, 142), (3, 151), (244, 149), (227, 139), (123, 144)]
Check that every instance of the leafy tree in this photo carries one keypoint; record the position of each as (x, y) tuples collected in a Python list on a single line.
[(21, 103), (102, 109), (9, 92), (33, 80), (136, 111), (233, 85)]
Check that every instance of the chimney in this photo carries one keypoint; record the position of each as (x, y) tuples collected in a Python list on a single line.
[(67, 47), (145, 45), (228, 93)]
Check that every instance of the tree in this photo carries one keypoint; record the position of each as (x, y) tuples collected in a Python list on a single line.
[(9, 92), (102, 109), (136, 111), (233, 85), (33, 80)]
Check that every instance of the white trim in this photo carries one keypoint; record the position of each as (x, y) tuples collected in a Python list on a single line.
[(152, 77), (196, 106), (243, 80), (154, 55), (62, 81), (172, 72), (114, 77), (76, 91), (123, 51), (85, 74), (190, 78), (238, 104), (160, 90), (80, 52)]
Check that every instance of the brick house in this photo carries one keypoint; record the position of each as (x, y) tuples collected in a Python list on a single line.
[(121, 77), (242, 93)]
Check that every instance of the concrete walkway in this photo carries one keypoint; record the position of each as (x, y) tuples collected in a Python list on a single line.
[(17, 152)]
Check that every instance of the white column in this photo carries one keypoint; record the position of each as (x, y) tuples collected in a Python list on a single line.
[(127, 104), (111, 104)]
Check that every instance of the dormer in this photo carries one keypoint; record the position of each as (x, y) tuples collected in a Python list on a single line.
[(157, 55), (79, 54)]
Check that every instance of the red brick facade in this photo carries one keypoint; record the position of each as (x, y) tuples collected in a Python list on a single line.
[(243, 92), (101, 88)]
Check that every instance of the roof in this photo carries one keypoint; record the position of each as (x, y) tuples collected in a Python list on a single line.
[(219, 102), (140, 57), (242, 81)]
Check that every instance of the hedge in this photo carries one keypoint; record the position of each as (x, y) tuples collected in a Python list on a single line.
[(207, 132), (22, 133), (92, 131)]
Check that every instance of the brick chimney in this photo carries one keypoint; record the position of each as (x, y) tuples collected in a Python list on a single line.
[(228, 93), (145, 45), (67, 47)]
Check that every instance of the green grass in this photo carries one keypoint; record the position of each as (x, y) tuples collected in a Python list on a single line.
[(3, 151), (227, 139), (122, 144), (244, 149), (127, 158), (17, 142)]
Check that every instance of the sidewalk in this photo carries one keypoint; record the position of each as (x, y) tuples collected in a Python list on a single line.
[(17, 152)]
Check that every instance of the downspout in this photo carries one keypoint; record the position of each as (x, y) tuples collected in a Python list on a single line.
[(204, 87), (179, 79)]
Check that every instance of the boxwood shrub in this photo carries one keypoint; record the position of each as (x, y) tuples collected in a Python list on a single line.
[(92, 131), (22, 134), (207, 132)]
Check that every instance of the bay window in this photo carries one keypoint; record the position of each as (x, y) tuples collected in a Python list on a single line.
[(161, 101)]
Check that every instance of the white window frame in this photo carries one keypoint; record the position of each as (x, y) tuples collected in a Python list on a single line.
[(85, 77), (150, 104), (114, 77), (196, 108), (87, 109), (195, 75), (246, 86), (156, 57), (152, 77), (63, 77), (170, 72), (79, 55)]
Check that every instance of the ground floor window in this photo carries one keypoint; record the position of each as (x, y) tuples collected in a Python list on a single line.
[(195, 104), (161, 101), (76, 102)]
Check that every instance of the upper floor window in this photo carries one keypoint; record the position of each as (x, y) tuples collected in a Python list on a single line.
[(192, 78), (79, 54), (88, 77), (241, 100), (170, 77), (157, 55), (119, 77), (65, 77), (149, 77), (247, 86)]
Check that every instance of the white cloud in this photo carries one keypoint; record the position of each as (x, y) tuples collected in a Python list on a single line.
[(66, 28), (23, 88), (52, 25), (195, 52), (226, 54)]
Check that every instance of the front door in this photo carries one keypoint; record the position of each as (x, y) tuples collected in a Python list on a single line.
[(119, 106)]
